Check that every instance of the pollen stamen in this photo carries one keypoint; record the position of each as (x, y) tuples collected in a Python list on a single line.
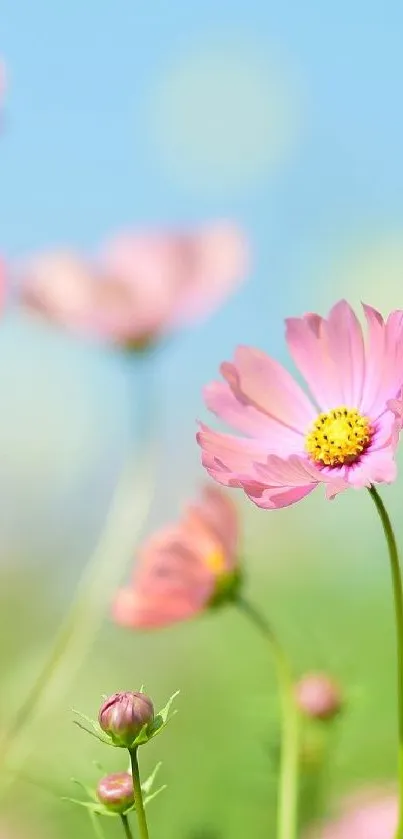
[(339, 436), (215, 562)]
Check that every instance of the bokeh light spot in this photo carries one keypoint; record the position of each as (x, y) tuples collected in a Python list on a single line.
[(224, 116), (370, 271)]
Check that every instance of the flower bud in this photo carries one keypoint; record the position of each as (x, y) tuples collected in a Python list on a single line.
[(318, 696), (115, 792), (124, 715)]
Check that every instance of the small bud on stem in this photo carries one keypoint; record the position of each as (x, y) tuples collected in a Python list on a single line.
[(124, 715), (115, 792)]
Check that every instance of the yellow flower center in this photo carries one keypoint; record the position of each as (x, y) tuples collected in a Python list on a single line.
[(338, 437), (215, 562)]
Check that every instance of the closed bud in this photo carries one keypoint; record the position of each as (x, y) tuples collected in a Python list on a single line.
[(124, 715), (318, 696), (115, 792)]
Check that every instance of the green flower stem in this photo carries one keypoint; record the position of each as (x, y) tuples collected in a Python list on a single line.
[(398, 599), (126, 827), (138, 795), (288, 783)]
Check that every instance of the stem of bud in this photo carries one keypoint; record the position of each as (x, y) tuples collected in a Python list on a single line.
[(138, 796), (288, 781), (126, 827)]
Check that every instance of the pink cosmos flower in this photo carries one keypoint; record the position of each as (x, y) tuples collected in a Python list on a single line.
[(343, 435), (371, 815), (184, 568), (143, 285)]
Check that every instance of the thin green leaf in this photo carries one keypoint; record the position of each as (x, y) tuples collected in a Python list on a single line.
[(93, 723), (93, 734), (165, 711), (143, 735), (147, 785), (88, 805), (88, 791), (150, 797)]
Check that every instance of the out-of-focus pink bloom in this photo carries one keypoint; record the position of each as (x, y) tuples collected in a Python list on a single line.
[(343, 436), (370, 815), (60, 285), (176, 278), (318, 696), (143, 285), (182, 569), (3, 283)]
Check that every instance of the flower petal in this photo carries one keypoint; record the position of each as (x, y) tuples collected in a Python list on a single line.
[(216, 260), (396, 406), (385, 432), (274, 498), (293, 471), (394, 356), (58, 285), (279, 482), (374, 363), (250, 420), (217, 514), (376, 467), (346, 348), (134, 611), (227, 457), (384, 373), (258, 380), (171, 581), (330, 355), (297, 471), (307, 345)]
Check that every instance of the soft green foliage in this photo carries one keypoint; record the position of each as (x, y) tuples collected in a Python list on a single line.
[(324, 582)]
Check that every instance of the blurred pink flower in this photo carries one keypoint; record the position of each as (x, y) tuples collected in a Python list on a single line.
[(370, 815), (143, 285), (62, 287), (318, 696), (182, 569), (344, 436), (3, 283)]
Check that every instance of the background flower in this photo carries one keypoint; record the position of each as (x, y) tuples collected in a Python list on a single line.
[(180, 569), (318, 696), (369, 815), (143, 285)]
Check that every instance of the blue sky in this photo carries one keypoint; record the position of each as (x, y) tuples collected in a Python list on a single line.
[(79, 159), (285, 117)]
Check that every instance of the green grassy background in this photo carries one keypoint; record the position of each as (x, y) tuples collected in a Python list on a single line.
[(320, 572)]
